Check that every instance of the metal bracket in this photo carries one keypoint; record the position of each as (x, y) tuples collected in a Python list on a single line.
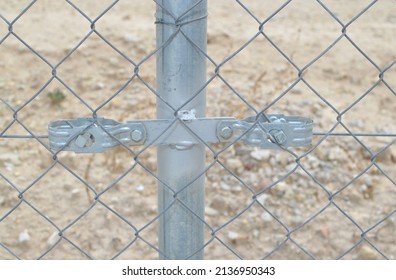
[(87, 135), (268, 132)]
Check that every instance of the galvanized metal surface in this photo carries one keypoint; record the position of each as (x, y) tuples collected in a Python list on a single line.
[(99, 135), (181, 76), (181, 98)]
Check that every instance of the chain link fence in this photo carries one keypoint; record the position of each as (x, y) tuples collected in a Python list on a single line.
[(331, 61)]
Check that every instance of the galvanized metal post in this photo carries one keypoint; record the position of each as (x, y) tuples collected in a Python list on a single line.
[(181, 73)]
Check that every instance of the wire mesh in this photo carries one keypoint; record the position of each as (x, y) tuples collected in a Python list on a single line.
[(330, 61)]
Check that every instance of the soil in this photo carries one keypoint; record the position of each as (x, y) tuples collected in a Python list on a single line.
[(333, 199)]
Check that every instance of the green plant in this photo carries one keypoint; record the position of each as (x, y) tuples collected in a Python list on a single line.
[(56, 96)]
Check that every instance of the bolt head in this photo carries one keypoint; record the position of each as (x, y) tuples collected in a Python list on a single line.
[(137, 135), (226, 132), (84, 140), (279, 136)]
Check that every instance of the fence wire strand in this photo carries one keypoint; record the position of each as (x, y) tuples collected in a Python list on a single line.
[(284, 234)]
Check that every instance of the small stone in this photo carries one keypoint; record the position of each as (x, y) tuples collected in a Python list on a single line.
[(232, 235), (280, 68), (249, 166), (234, 164), (140, 188), (224, 186), (9, 166), (68, 186), (393, 154), (356, 123), (313, 161), (99, 86), (130, 38), (126, 17), (10, 158), (236, 189), (281, 188), (293, 205), (282, 158), (262, 198), (211, 212), (291, 166), (325, 231), (300, 197), (21, 48), (296, 91), (259, 183), (75, 191), (367, 253), (260, 154), (219, 203), (266, 217), (109, 216), (297, 219), (114, 61), (317, 107), (53, 239), (363, 188), (336, 153), (116, 243), (24, 237)]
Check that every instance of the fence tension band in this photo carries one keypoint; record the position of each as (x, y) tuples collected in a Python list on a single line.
[(87, 135)]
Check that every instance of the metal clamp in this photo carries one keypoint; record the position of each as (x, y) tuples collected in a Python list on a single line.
[(268, 132), (88, 135)]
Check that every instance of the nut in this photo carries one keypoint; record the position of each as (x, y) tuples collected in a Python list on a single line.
[(84, 140), (137, 135), (226, 132), (279, 136)]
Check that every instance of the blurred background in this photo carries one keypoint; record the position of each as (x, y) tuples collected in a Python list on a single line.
[(332, 61)]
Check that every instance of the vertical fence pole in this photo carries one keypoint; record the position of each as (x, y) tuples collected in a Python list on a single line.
[(181, 73)]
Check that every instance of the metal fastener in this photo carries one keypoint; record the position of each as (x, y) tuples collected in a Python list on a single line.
[(226, 132), (277, 119), (84, 140), (279, 136), (137, 135), (86, 135)]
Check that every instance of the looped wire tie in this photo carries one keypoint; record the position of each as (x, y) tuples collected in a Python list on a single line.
[(179, 23)]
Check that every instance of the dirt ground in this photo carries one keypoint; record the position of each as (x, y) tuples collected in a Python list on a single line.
[(339, 201)]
